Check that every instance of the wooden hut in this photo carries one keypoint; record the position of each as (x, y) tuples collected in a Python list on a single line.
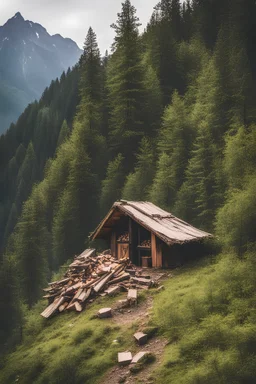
[(148, 235)]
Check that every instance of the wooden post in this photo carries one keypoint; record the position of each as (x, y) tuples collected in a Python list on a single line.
[(159, 261), (153, 250), (130, 240), (113, 244)]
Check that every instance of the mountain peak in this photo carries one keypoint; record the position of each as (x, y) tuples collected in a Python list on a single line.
[(18, 16)]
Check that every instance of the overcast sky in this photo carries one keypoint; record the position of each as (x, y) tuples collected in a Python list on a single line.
[(72, 18)]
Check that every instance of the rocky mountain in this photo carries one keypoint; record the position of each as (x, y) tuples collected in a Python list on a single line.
[(29, 59)]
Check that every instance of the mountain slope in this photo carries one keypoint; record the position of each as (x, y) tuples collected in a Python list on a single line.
[(29, 59)]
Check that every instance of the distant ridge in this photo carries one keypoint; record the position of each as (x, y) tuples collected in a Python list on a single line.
[(29, 59)]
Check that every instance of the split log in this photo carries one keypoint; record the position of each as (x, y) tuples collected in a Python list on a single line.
[(112, 290), (84, 295), (63, 306), (60, 282), (124, 276), (49, 311), (78, 307)]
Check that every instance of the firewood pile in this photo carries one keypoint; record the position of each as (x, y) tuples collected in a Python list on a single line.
[(123, 238), (146, 244), (89, 276)]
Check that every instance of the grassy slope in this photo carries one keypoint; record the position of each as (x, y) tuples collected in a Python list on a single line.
[(207, 312), (68, 349)]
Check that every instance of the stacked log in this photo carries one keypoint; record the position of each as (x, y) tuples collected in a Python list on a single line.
[(123, 238), (87, 276), (146, 244)]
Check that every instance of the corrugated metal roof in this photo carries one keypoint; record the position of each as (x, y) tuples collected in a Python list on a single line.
[(167, 227)]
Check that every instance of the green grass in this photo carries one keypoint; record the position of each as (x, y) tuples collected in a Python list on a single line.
[(69, 348), (207, 312)]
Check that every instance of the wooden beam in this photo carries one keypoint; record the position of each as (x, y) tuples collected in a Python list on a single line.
[(153, 250)]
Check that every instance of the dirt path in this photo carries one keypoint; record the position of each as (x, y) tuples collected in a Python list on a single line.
[(117, 374), (156, 345)]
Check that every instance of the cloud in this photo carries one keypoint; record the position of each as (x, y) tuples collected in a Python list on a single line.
[(73, 18)]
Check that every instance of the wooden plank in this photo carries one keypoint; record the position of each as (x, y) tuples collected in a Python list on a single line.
[(49, 311), (60, 282), (124, 276), (153, 250)]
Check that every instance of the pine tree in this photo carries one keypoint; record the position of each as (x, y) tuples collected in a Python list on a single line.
[(125, 85), (64, 133), (89, 115), (77, 210), (31, 244), (10, 319), (113, 183), (137, 183), (175, 144), (90, 82), (26, 177)]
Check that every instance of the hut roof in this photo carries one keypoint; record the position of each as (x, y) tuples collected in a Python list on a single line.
[(163, 224)]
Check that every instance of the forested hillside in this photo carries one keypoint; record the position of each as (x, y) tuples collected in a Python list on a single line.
[(168, 116)]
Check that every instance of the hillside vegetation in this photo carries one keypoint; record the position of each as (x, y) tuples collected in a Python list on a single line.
[(169, 116), (206, 313)]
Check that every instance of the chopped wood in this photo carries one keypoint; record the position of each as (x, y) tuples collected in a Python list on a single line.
[(86, 277), (132, 295), (124, 358), (124, 276), (142, 281), (139, 356), (63, 306), (61, 282), (84, 295), (113, 290), (104, 313), (78, 307), (52, 307), (141, 338)]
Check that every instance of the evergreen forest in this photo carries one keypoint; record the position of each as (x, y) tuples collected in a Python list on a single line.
[(168, 116)]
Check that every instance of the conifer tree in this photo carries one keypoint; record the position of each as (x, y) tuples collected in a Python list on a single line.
[(137, 183), (77, 211), (125, 85), (26, 176), (113, 183), (90, 111), (64, 133), (175, 144), (10, 319), (30, 247)]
